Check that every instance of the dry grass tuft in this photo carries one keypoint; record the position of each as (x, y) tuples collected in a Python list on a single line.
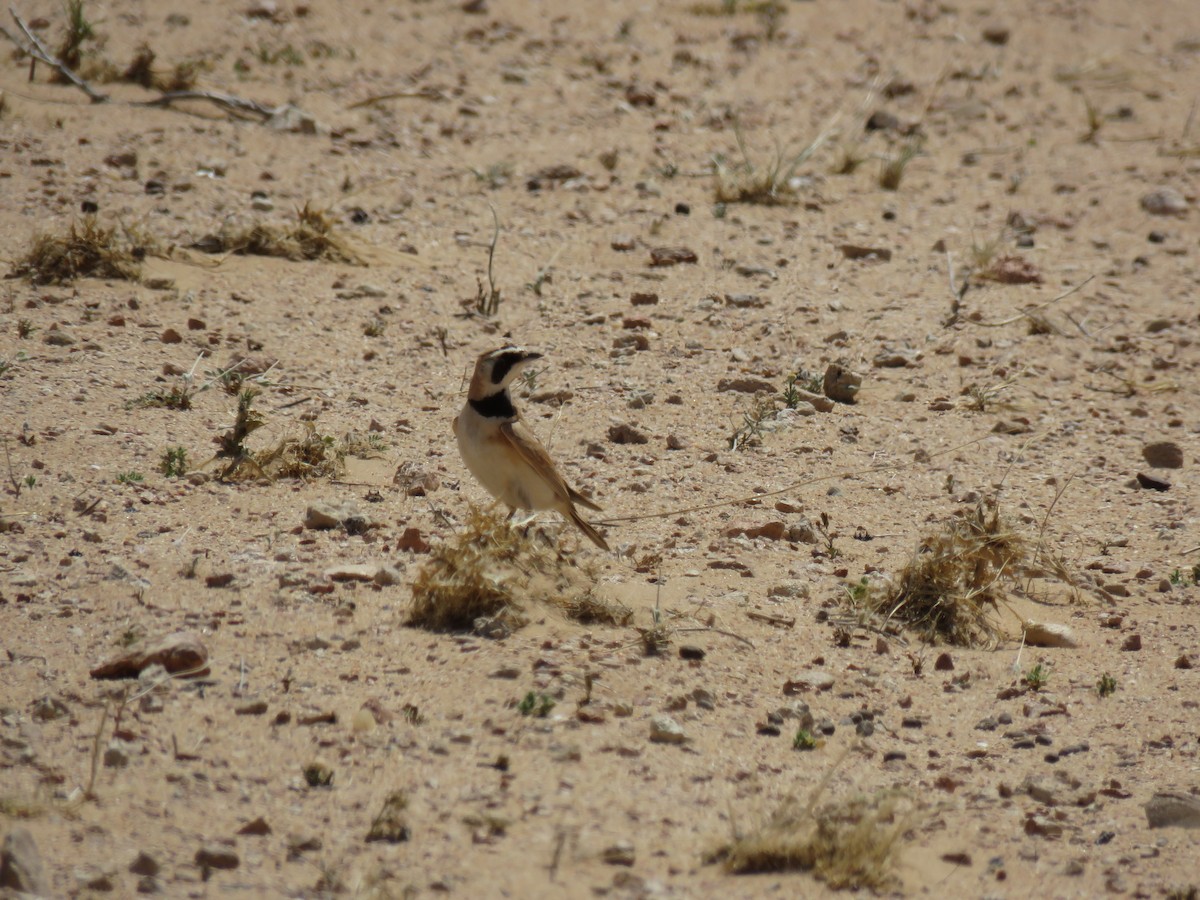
[(769, 185), (86, 250), (313, 236), (951, 589), (494, 571), (847, 844)]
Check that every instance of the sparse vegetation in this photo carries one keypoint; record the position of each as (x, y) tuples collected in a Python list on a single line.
[(130, 478), (845, 843), (952, 587), (537, 705), (86, 249), (891, 172), (804, 740), (174, 462), (1107, 685), (1037, 677), (313, 235), (492, 572), (770, 184)]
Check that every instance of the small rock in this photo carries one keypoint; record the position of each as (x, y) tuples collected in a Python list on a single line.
[(626, 434), (1152, 482), (675, 442), (643, 299), (1167, 809), (116, 754), (772, 531), (391, 825), (1047, 634), (1184, 662), (896, 359), (670, 256), (996, 34), (665, 730), (145, 864), (412, 541), (21, 866), (178, 653), (170, 336), (858, 251), (619, 854), (688, 651), (841, 384), (322, 516), (623, 244), (808, 681), (944, 663), (746, 385), (1132, 643), (257, 826), (348, 572), (217, 856), (291, 118), (1164, 202), (47, 709), (1163, 455), (385, 576)]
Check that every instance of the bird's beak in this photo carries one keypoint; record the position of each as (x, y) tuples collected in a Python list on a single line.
[(530, 356)]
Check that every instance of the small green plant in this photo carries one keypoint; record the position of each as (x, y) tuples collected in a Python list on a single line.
[(487, 303), (79, 31), (804, 740), (174, 462), (375, 328), (30, 481), (1176, 578), (177, 397), (1037, 677), (536, 705), (25, 328), (130, 478), (1107, 685), (859, 591)]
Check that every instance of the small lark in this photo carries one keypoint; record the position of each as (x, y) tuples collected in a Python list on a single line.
[(503, 454)]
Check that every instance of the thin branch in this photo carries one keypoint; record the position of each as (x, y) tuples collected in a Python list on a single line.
[(225, 101), (40, 52), (1028, 312)]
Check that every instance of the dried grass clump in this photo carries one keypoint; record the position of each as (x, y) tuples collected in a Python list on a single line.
[(494, 571), (312, 236), (951, 588), (769, 185), (86, 250), (847, 844)]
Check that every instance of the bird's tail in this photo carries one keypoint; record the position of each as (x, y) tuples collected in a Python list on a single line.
[(587, 529)]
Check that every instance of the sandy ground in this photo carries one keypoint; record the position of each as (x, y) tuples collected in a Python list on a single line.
[(1042, 127)]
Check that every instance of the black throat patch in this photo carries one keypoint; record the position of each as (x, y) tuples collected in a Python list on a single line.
[(495, 406)]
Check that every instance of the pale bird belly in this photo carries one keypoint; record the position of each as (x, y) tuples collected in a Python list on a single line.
[(503, 474)]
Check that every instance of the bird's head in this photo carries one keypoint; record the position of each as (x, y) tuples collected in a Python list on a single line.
[(497, 369)]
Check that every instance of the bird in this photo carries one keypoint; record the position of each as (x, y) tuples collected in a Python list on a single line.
[(504, 455)]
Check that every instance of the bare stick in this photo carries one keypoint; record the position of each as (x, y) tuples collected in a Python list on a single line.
[(1027, 313), (425, 93), (225, 101), (11, 477), (39, 51)]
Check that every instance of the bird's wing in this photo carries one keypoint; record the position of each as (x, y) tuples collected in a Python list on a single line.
[(530, 449)]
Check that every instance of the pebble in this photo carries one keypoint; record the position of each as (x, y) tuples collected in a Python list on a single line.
[(808, 681), (21, 866), (944, 663), (1163, 455), (116, 754), (412, 541), (841, 384), (772, 531), (1152, 483), (670, 256), (1167, 809), (1164, 202), (896, 359), (1048, 634), (351, 572), (746, 385), (624, 433), (145, 864), (217, 856), (665, 730), (619, 854), (179, 652)]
